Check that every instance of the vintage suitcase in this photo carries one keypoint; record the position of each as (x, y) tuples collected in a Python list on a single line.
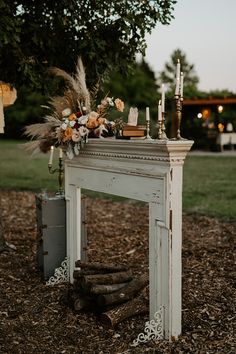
[(51, 224)]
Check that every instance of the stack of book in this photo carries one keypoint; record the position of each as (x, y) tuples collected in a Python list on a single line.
[(134, 131)]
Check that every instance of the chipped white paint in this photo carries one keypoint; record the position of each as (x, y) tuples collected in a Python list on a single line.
[(146, 170)]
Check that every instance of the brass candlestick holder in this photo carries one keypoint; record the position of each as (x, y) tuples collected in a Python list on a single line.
[(162, 127), (178, 103), (159, 129), (148, 137), (60, 171)]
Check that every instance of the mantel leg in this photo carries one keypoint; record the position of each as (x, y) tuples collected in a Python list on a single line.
[(165, 256), (73, 210), (159, 291)]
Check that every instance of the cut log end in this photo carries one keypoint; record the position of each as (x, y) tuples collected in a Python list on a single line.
[(118, 314)]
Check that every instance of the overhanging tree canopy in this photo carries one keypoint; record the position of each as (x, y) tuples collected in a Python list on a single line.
[(37, 34)]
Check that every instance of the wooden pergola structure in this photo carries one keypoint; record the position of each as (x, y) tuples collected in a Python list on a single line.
[(212, 121), (210, 101)]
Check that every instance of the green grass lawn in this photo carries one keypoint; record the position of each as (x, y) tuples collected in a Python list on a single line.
[(21, 171), (209, 181), (209, 185)]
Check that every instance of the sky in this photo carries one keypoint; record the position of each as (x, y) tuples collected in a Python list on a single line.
[(205, 31)]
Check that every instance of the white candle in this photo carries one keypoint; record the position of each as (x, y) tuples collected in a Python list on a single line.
[(177, 78), (51, 155), (178, 69), (60, 153), (181, 85), (163, 98), (159, 111), (147, 114), (177, 87)]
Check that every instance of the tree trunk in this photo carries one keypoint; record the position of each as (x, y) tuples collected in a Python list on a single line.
[(125, 294), (137, 306), (101, 266)]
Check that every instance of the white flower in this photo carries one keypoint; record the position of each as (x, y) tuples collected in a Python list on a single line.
[(64, 126), (66, 112), (83, 119), (110, 101), (75, 136), (83, 131), (72, 123), (100, 130)]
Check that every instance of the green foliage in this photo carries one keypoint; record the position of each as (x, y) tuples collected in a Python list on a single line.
[(138, 88), (36, 35), (168, 75)]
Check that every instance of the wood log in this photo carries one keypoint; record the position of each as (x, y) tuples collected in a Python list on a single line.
[(98, 289), (101, 266), (124, 294), (136, 306), (79, 273), (88, 281), (84, 303)]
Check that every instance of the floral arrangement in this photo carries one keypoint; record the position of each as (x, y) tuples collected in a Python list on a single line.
[(73, 120)]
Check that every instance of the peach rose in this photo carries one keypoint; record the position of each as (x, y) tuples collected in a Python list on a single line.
[(92, 123), (72, 117), (92, 120), (101, 121), (75, 136), (119, 105), (93, 115), (68, 134)]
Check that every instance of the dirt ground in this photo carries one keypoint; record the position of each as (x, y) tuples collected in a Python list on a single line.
[(36, 319)]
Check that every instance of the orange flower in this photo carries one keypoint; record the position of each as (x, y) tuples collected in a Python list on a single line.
[(92, 120), (68, 134), (72, 117), (119, 105), (92, 123), (101, 121)]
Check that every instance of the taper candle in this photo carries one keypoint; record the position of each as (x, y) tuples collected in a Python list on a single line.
[(163, 98), (159, 111), (60, 153), (51, 155), (181, 85), (147, 114), (178, 69), (177, 88)]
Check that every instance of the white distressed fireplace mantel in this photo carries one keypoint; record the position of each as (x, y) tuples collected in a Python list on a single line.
[(149, 171)]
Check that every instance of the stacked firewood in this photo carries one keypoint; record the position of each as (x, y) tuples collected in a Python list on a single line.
[(110, 290)]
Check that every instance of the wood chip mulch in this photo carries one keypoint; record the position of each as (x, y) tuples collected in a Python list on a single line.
[(35, 318)]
